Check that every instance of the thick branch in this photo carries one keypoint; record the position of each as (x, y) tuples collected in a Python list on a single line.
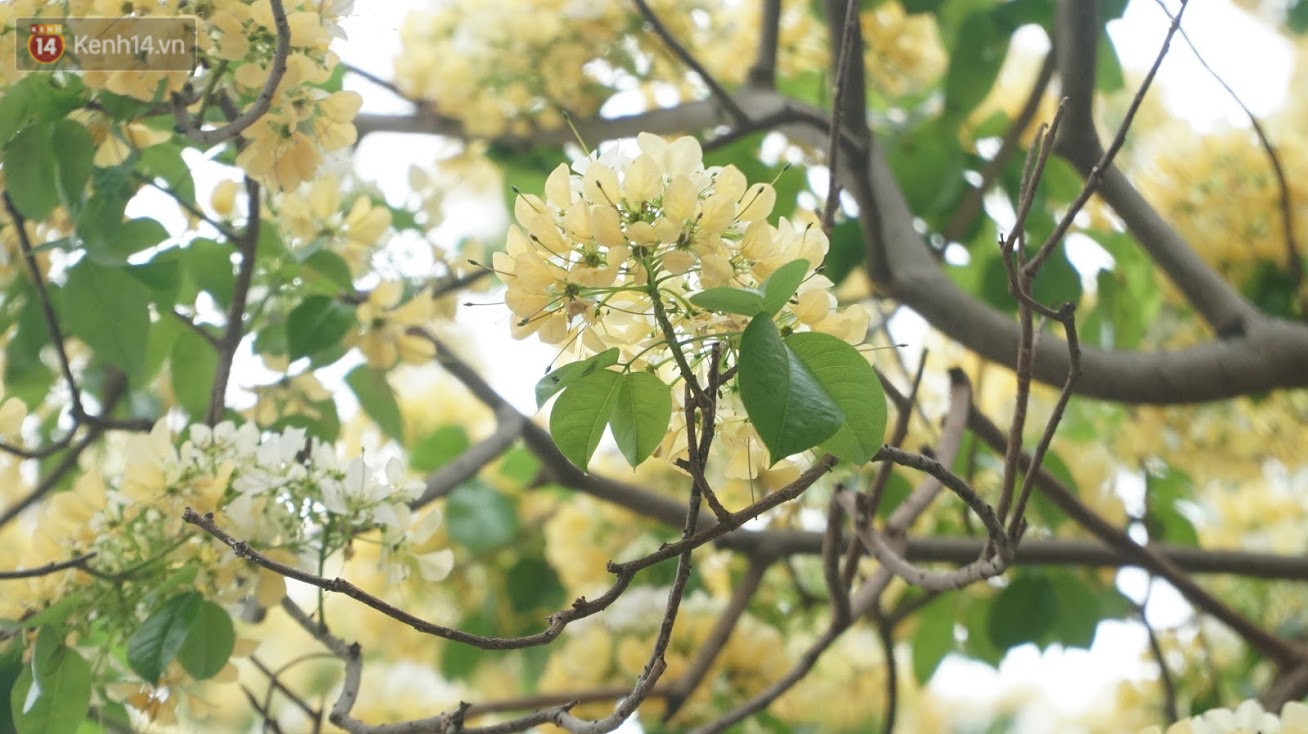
[(1270, 354), (1214, 299)]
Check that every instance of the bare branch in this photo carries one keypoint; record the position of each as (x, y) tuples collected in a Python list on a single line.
[(47, 569), (716, 640)]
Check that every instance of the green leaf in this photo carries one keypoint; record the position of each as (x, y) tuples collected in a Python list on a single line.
[(743, 301), (519, 465), (163, 276), (129, 238), (640, 418), (787, 404), (1296, 17), (209, 643), (928, 163), (159, 343), (458, 661), (1023, 612), (330, 268), (1044, 508), (532, 584), (570, 373), (439, 448), (1166, 491), (158, 640), (1108, 67), (580, 414), (324, 426), (15, 108), (781, 285), (974, 61), (1079, 611), (209, 265), (193, 367), (1057, 282), (480, 518), (53, 615), (847, 251), (25, 375), (54, 699), (913, 7), (897, 490), (102, 215), (29, 158), (165, 162), (851, 383), (110, 311), (933, 639), (73, 150), (377, 399), (317, 323), (975, 616)]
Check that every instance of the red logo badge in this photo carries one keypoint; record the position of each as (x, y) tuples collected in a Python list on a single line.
[(46, 42)]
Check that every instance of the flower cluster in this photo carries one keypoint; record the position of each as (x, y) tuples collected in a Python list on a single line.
[(313, 216), (1221, 192), (286, 145), (288, 496), (506, 66), (1247, 718), (616, 247)]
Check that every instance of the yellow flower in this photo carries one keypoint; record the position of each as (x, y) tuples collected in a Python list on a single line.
[(223, 198), (120, 143), (384, 321)]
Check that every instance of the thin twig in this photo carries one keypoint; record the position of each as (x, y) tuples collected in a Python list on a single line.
[(886, 632), (1293, 259), (247, 245), (970, 205), (837, 112), (717, 638), (276, 71), (47, 569), (47, 313), (557, 622), (679, 51)]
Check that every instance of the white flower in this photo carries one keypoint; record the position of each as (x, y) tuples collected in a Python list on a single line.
[(406, 489)]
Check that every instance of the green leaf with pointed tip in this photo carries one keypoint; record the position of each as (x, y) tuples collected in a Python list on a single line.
[(73, 149), (318, 323), (29, 158), (570, 373), (851, 383), (54, 696), (788, 405), (210, 642), (110, 311), (1023, 612), (157, 641), (743, 301), (781, 285), (934, 638), (581, 413), (165, 162), (377, 399), (640, 418)]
